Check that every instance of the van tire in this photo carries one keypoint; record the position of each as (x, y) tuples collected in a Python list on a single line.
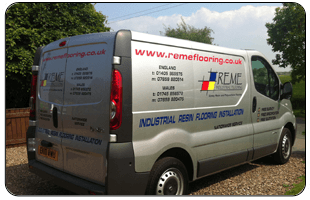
[(284, 150), (168, 177)]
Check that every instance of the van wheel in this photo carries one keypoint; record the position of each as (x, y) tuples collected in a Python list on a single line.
[(168, 177), (284, 151)]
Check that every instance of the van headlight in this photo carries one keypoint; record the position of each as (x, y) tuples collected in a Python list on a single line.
[(31, 144)]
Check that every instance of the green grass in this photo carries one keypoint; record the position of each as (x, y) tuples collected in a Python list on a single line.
[(285, 78), (299, 96), (297, 187)]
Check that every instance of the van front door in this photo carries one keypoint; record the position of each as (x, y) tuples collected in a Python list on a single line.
[(265, 105)]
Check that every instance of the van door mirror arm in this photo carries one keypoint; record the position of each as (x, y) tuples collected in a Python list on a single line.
[(286, 91), (280, 93)]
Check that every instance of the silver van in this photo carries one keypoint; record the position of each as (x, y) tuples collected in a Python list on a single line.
[(132, 113)]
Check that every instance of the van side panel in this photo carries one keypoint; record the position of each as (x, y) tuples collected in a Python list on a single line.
[(195, 99), (162, 91), (168, 82), (223, 121)]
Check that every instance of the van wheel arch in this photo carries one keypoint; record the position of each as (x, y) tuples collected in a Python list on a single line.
[(284, 150), (290, 126), (181, 155)]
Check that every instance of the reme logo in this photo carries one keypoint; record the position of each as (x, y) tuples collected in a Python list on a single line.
[(52, 77), (221, 81), (208, 85)]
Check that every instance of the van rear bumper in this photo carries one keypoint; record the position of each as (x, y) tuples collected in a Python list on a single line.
[(122, 177), (65, 180)]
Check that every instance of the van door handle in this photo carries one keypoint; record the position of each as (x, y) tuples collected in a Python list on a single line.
[(46, 143), (55, 117), (254, 104)]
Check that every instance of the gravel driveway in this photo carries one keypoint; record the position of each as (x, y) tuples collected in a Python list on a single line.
[(257, 178)]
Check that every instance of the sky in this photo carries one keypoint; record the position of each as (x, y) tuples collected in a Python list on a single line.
[(235, 25)]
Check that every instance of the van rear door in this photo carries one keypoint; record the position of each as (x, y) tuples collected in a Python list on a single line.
[(86, 119), (50, 104)]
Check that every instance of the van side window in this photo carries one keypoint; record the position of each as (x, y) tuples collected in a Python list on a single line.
[(265, 79)]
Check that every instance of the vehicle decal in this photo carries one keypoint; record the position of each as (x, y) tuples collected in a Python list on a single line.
[(266, 114), (227, 125), (185, 77), (54, 79), (226, 81), (78, 45), (209, 85), (195, 57), (165, 120), (69, 136), (77, 54)]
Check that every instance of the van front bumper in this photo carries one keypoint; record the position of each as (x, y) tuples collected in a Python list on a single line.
[(67, 181)]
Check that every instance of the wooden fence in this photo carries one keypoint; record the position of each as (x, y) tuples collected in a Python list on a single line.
[(17, 122)]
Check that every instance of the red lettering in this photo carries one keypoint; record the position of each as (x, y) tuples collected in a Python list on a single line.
[(160, 54), (140, 52), (195, 57), (77, 54), (150, 53)]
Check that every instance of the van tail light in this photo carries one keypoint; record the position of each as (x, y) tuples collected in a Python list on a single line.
[(33, 92), (116, 100)]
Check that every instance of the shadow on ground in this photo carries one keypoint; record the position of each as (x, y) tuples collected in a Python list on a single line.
[(19, 181), (230, 173), (215, 178)]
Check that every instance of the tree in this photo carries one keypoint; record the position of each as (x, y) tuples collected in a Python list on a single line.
[(30, 25), (287, 36), (185, 31)]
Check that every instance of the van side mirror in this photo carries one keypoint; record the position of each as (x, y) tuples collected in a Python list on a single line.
[(286, 91)]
